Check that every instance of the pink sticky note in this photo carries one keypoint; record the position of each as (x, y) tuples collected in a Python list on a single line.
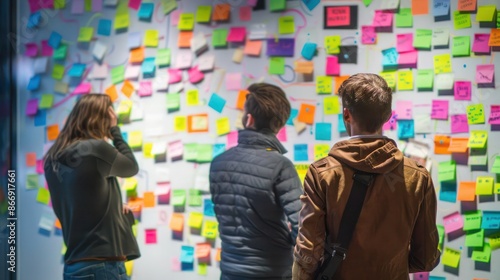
[(368, 35), (421, 276), (83, 88), (453, 222), (382, 19), (174, 76), (480, 44), (237, 34), (332, 66), (175, 264), (440, 109), (31, 50), (96, 5), (32, 107), (391, 124), (485, 73), (145, 88), (232, 139), (408, 58), (134, 4), (78, 7), (282, 135), (150, 236), (494, 115), (233, 81), (404, 110), (175, 149), (46, 49), (195, 76), (338, 16), (245, 13), (36, 5), (463, 90), (251, 2), (39, 166), (404, 42), (174, 17), (459, 123)]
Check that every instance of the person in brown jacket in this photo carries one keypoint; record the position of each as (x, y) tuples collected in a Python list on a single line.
[(396, 232)]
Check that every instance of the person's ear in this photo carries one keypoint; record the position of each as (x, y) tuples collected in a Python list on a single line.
[(250, 121), (346, 115)]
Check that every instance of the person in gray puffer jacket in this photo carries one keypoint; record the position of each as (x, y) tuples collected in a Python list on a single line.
[(256, 193)]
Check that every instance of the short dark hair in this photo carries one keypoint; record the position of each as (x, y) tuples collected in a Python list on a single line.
[(268, 106), (368, 98)]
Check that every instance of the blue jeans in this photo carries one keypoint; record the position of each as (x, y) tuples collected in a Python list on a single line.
[(95, 270)]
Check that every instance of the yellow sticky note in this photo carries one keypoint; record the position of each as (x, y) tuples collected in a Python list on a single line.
[(43, 196), (301, 171), (135, 139), (331, 105), (122, 21), (151, 38), (179, 123), (195, 220), (405, 80), (210, 229), (321, 151), (286, 25), (486, 13), (148, 147), (202, 269), (129, 267), (390, 78), (451, 257), (64, 248), (223, 126), (192, 97), (442, 63), (203, 13), (186, 22), (324, 84), (130, 184), (478, 139), (58, 71), (484, 185), (332, 44), (475, 114), (494, 241)]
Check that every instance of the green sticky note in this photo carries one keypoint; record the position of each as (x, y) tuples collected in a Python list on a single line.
[(494, 241), (324, 84), (173, 102), (190, 152), (58, 71), (163, 57), (43, 196), (423, 39), (404, 18), (203, 14), (204, 153), (186, 22), (367, 2), (475, 238), (332, 44), (447, 171), (179, 198), (277, 5), (219, 37), (202, 268), (475, 114), (451, 257), (117, 74), (122, 21), (484, 185), (46, 101), (495, 168), (481, 160), (496, 188), (461, 46), (277, 65), (483, 254), (440, 229), (88, 5), (195, 220), (331, 105), (498, 20), (486, 13), (195, 198), (472, 220), (122, 7), (85, 34), (32, 181), (168, 6), (461, 21), (59, 4), (151, 38), (286, 25), (425, 79), (60, 53)]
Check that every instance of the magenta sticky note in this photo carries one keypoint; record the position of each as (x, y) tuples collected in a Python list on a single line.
[(231, 139), (404, 42), (245, 13), (195, 75), (453, 222), (145, 88), (233, 81), (39, 166), (282, 134), (485, 73), (494, 118), (332, 66), (96, 5), (440, 109), (382, 19), (83, 88), (408, 58), (150, 235), (77, 7), (392, 123), (174, 76), (421, 276), (32, 107), (463, 90), (368, 35), (237, 34), (480, 44), (36, 5), (404, 110), (31, 50), (46, 49), (459, 123), (134, 4), (251, 2)]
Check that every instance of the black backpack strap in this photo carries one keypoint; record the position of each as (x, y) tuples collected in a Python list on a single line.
[(361, 182)]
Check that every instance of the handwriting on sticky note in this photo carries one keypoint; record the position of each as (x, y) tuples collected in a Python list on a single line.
[(478, 139), (475, 114), (485, 74), (338, 16), (453, 222)]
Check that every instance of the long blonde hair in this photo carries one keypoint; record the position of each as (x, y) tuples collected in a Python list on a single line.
[(89, 119)]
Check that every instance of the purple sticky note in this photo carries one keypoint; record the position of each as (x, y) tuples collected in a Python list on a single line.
[(46, 49), (382, 19), (463, 90), (453, 222), (32, 107), (237, 34), (78, 7), (404, 42), (459, 123), (480, 44), (332, 66), (31, 50), (145, 89), (485, 74), (174, 76), (440, 109), (233, 81), (280, 47), (404, 110), (368, 35), (96, 5)]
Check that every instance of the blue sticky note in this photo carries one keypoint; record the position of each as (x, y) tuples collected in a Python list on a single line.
[(125, 136), (491, 220), (441, 8), (323, 131), (41, 118), (148, 67), (146, 11), (208, 207), (76, 70), (54, 40), (34, 20), (300, 152), (34, 83), (311, 4), (390, 58), (448, 192), (341, 125), (187, 254), (293, 115), (217, 102), (309, 50), (219, 148), (104, 27), (437, 278), (134, 40), (406, 129)]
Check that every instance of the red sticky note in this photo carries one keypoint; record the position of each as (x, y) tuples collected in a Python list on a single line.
[(52, 132), (245, 13), (332, 66), (30, 159), (306, 113), (150, 235), (338, 16), (253, 47), (467, 5)]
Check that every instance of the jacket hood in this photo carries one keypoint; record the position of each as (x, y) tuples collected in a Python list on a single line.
[(372, 155)]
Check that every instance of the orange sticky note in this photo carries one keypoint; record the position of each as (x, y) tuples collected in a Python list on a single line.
[(242, 97), (57, 224), (466, 5), (184, 39), (253, 47), (52, 132), (420, 7), (112, 93), (338, 81), (304, 67), (30, 159), (441, 144), (136, 55), (149, 199), (217, 254), (136, 205), (203, 250), (127, 88), (494, 38), (466, 191), (177, 222), (197, 123), (221, 12), (458, 145), (306, 113)]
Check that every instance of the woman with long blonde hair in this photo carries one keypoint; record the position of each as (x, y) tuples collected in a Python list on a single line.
[(81, 169)]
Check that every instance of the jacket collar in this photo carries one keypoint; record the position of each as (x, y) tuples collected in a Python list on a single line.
[(263, 138)]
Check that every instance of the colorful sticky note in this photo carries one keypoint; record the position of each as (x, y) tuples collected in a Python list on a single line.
[(151, 38), (217, 102), (277, 65), (331, 105), (461, 46), (219, 37), (306, 113), (324, 84), (466, 192), (475, 114), (286, 25), (461, 20), (337, 16), (85, 34), (186, 22), (222, 126), (478, 139), (484, 185), (442, 63), (321, 151), (323, 131), (447, 171), (210, 229), (485, 75), (483, 254)]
